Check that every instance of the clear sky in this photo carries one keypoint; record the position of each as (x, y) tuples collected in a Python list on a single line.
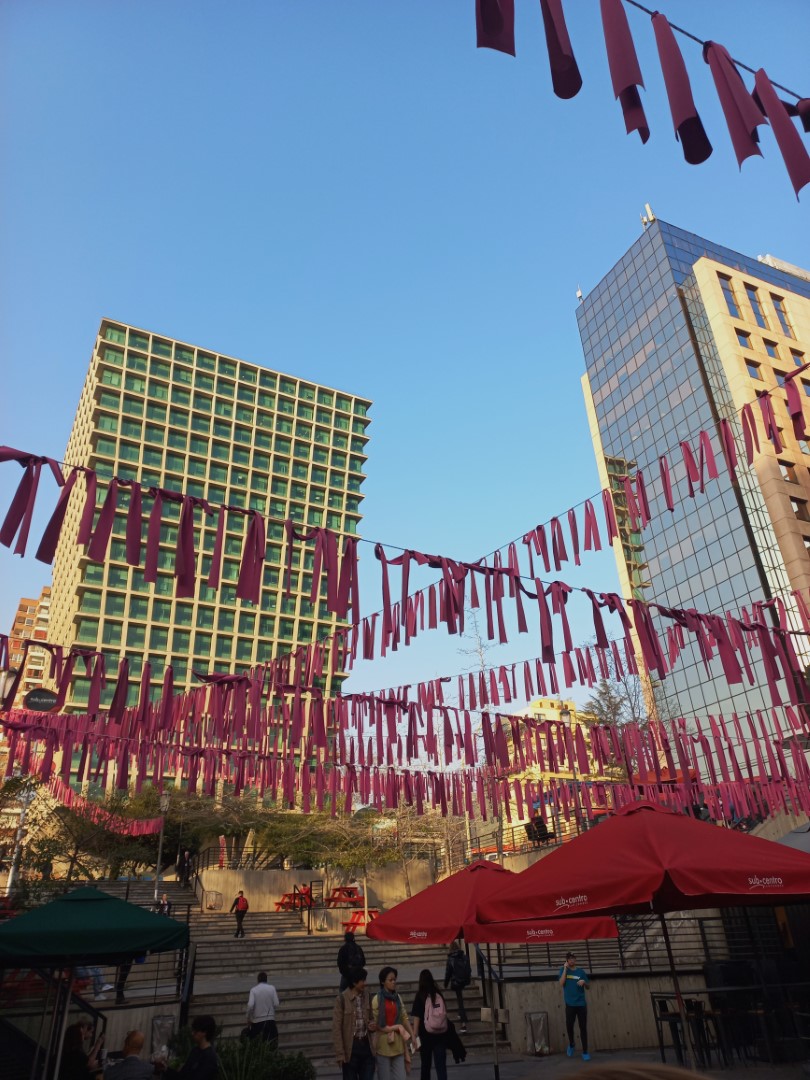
[(352, 193)]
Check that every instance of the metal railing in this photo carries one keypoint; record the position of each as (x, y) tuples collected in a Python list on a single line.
[(640, 947)]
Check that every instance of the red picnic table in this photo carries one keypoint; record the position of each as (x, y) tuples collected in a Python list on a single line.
[(357, 919), (345, 896), (294, 901)]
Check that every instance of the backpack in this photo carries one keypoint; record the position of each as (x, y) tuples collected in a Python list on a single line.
[(435, 1015), (460, 969), (241, 903)]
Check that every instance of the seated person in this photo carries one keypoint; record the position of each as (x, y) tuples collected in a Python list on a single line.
[(78, 1063), (130, 1066)]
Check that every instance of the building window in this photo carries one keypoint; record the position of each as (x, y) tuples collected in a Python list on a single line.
[(753, 299), (789, 471), (805, 386), (800, 509), (781, 314), (797, 357), (780, 376), (728, 293), (743, 338), (771, 349), (753, 369)]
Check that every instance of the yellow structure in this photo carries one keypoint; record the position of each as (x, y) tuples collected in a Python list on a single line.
[(180, 417)]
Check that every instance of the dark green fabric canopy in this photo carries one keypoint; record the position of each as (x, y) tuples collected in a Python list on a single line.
[(86, 926)]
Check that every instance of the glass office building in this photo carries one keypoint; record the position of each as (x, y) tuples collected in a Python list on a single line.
[(176, 416), (678, 335)]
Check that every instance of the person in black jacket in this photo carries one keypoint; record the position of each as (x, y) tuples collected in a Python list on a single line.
[(202, 1062), (350, 958), (457, 975)]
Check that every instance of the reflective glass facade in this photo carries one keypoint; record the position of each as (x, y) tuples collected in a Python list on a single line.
[(658, 374)]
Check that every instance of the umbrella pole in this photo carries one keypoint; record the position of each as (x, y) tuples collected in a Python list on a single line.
[(63, 1024), (687, 1042), (496, 1068)]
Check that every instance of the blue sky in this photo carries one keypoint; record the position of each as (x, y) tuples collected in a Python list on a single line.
[(353, 193)]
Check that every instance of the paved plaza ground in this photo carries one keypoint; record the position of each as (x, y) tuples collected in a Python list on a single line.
[(558, 1066)]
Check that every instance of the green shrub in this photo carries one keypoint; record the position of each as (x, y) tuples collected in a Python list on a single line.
[(254, 1059)]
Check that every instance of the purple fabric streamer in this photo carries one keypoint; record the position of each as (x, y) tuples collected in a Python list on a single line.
[(689, 128), (18, 517), (495, 25), (625, 73), (797, 160), (50, 537), (253, 554), (741, 113), (88, 512), (565, 77), (97, 548)]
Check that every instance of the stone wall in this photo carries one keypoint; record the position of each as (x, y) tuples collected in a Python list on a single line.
[(620, 1013), (385, 885)]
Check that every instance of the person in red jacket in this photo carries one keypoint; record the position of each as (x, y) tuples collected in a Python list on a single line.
[(240, 907)]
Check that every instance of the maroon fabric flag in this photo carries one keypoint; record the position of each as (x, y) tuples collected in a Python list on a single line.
[(250, 572), (495, 25), (689, 128), (741, 113), (625, 73), (565, 77), (97, 548), (50, 537), (797, 160), (21, 510)]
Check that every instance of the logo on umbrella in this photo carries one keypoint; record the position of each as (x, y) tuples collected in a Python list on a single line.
[(571, 901), (530, 934), (418, 934), (757, 882)]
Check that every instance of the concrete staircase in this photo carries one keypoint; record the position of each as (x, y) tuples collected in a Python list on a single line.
[(302, 967)]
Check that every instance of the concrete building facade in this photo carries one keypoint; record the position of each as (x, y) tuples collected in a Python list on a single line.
[(31, 623), (172, 415), (679, 335)]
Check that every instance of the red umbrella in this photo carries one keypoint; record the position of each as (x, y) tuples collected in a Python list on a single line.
[(645, 858), (440, 913)]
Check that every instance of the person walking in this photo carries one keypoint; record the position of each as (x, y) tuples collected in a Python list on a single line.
[(394, 1031), (261, 1011), (430, 1026), (163, 906), (575, 982), (350, 957), (185, 868), (457, 976), (99, 985), (353, 1027), (240, 908)]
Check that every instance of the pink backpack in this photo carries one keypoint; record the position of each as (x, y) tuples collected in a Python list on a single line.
[(435, 1015)]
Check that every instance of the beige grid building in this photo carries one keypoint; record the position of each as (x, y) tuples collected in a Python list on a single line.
[(173, 415)]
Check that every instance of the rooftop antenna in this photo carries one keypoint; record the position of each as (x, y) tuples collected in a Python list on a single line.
[(579, 294), (648, 217)]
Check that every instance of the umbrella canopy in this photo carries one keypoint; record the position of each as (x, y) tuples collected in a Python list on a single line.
[(440, 913), (86, 926), (437, 913), (645, 858), (541, 931)]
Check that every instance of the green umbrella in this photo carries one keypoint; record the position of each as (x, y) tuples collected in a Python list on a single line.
[(86, 926)]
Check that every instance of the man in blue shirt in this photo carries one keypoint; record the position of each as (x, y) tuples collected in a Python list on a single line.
[(574, 982)]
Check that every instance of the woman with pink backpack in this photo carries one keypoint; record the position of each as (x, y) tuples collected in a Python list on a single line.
[(430, 1026)]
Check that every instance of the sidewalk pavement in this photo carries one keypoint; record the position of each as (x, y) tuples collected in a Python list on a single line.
[(558, 1067)]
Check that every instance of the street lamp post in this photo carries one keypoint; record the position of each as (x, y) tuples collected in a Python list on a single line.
[(164, 807), (565, 716), (25, 798)]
